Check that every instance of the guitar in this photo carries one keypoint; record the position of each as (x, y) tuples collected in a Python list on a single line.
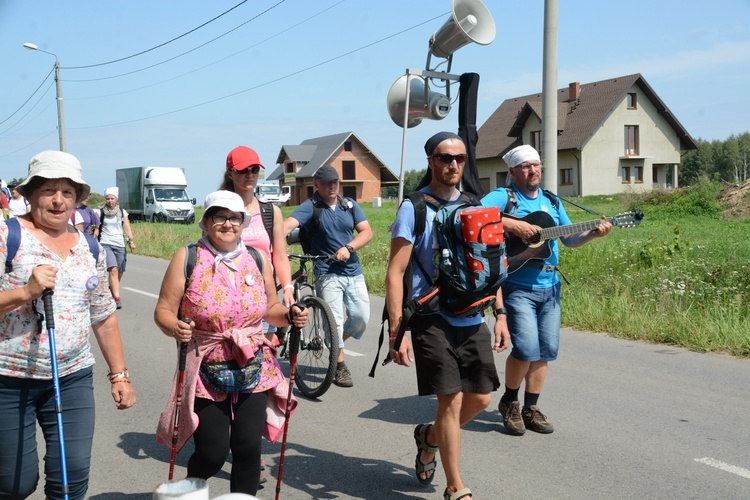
[(520, 251)]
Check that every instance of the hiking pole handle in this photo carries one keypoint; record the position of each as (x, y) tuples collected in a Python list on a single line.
[(183, 348), (294, 331), (49, 316)]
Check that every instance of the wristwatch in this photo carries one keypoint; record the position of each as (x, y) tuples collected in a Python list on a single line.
[(349, 247), (500, 310)]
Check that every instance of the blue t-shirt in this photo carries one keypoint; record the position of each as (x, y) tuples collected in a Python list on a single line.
[(425, 249), (531, 276), (335, 230)]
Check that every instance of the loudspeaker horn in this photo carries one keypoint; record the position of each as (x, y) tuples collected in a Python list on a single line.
[(470, 22), (431, 105)]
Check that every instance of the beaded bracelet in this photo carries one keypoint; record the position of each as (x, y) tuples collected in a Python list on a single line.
[(118, 380)]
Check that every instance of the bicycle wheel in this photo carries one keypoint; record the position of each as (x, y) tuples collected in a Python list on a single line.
[(318, 350)]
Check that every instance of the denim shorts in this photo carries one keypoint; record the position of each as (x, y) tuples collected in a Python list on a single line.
[(346, 294), (533, 321), (116, 257), (26, 402)]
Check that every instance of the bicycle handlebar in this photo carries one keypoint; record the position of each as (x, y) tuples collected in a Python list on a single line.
[(310, 258)]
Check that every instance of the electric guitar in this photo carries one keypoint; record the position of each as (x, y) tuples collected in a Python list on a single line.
[(520, 251)]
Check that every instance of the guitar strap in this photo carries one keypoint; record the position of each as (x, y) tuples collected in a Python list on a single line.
[(547, 268)]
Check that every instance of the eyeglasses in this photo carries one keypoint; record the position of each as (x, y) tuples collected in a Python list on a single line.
[(220, 220), (448, 159), (528, 166), (250, 170)]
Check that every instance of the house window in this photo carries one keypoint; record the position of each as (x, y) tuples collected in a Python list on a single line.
[(654, 175), (350, 192), (485, 183), (309, 192), (632, 101), (289, 168), (536, 140), (626, 175), (348, 170), (566, 176), (639, 175), (631, 140), (348, 146)]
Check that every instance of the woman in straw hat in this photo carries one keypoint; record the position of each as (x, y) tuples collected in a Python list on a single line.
[(53, 255)]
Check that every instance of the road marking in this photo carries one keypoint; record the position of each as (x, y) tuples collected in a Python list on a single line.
[(141, 292), (353, 354), (725, 467)]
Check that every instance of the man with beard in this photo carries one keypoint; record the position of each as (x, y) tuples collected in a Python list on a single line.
[(532, 293), (453, 355)]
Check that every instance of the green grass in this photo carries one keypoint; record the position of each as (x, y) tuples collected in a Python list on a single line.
[(680, 278)]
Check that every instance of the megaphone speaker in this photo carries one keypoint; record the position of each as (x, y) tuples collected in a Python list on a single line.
[(432, 106), (470, 22)]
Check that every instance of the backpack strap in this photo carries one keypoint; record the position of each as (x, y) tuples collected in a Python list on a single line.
[(552, 197), (191, 254), (14, 241), (266, 213), (512, 206)]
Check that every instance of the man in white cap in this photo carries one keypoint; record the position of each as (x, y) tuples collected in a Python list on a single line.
[(532, 292), (113, 220)]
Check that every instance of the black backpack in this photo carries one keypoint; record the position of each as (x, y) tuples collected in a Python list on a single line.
[(307, 232)]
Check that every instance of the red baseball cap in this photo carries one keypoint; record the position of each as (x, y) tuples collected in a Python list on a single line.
[(242, 157)]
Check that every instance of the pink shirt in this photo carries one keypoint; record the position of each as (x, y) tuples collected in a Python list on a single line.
[(256, 236)]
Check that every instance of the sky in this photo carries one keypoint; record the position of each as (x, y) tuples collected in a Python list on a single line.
[(191, 83)]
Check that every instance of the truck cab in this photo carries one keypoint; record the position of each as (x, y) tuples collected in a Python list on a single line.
[(271, 191)]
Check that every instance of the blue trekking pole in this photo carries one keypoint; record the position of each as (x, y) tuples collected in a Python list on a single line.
[(50, 319)]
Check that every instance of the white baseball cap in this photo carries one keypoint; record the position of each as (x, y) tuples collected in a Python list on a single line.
[(225, 199)]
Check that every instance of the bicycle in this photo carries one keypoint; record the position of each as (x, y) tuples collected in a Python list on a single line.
[(319, 347)]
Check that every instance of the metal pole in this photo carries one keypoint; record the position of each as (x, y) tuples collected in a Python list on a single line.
[(60, 115), (403, 140), (549, 97)]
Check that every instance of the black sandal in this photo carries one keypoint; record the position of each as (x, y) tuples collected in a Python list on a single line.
[(420, 436)]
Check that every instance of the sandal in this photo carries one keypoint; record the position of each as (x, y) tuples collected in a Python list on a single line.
[(420, 436), (457, 495)]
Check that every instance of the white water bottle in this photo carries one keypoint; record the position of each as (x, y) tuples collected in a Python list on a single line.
[(445, 262)]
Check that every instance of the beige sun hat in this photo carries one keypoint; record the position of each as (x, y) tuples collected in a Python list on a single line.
[(56, 165)]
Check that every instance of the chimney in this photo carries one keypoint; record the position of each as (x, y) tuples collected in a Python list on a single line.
[(574, 91)]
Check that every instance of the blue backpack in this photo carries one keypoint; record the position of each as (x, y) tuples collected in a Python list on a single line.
[(14, 241)]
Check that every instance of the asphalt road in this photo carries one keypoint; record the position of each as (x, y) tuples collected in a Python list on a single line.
[(632, 420)]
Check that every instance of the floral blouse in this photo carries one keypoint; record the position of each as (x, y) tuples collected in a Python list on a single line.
[(223, 301), (81, 299)]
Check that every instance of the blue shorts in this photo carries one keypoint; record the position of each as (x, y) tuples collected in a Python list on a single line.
[(116, 257), (533, 321)]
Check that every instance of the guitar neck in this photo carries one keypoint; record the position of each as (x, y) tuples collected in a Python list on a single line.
[(559, 231)]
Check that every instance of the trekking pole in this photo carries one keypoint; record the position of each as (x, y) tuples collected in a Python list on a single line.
[(50, 319), (294, 341), (178, 402)]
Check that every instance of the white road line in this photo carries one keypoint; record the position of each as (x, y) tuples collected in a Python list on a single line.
[(353, 354), (141, 292), (725, 467)]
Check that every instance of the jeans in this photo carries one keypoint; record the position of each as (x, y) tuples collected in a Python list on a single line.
[(350, 293), (23, 403), (533, 321)]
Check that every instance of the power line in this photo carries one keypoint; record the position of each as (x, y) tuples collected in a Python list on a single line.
[(180, 55), (162, 44), (268, 82), (32, 109), (27, 100), (29, 145), (282, 32)]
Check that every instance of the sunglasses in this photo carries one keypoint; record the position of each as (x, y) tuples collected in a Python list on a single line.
[(250, 170), (448, 159)]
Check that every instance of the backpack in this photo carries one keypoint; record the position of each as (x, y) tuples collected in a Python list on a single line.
[(14, 241), (462, 288), (266, 213), (87, 228), (307, 231), (192, 255)]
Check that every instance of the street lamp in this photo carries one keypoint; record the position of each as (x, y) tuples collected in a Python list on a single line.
[(60, 117)]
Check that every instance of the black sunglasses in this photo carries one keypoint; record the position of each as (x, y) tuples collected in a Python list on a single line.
[(448, 159), (252, 170)]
